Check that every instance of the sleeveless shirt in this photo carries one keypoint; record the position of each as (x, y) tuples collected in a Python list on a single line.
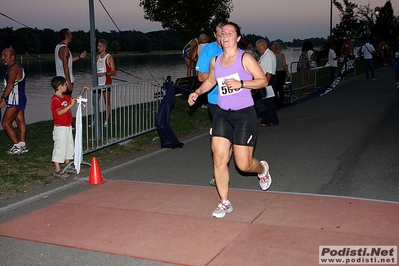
[(17, 96), (58, 63), (102, 66), (233, 99), (279, 62)]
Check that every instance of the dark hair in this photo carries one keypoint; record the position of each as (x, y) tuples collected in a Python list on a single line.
[(237, 28), (63, 33), (218, 24), (57, 81), (307, 46), (104, 42)]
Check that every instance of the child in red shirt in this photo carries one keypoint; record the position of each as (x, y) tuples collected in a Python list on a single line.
[(61, 105)]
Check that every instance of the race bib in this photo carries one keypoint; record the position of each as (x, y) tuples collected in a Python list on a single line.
[(223, 89)]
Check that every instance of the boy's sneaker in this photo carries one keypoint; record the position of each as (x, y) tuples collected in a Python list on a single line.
[(15, 150), (223, 207), (212, 182), (265, 180), (24, 149)]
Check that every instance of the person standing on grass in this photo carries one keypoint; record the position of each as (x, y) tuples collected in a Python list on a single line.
[(234, 126), (190, 53), (14, 99), (105, 70), (347, 48), (60, 106), (64, 59)]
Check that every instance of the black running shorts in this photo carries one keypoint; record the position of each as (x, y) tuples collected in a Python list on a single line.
[(240, 126)]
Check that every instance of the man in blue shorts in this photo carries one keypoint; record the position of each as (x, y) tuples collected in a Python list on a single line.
[(209, 51), (14, 98), (395, 60), (190, 52)]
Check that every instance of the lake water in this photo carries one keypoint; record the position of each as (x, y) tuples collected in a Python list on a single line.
[(39, 73)]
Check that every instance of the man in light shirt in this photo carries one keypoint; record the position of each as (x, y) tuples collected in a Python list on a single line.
[(368, 50), (268, 63)]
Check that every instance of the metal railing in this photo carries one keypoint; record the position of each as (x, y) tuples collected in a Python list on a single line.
[(134, 106), (297, 77), (300, 79)]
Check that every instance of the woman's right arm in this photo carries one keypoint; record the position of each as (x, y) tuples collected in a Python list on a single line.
[(206, 86)]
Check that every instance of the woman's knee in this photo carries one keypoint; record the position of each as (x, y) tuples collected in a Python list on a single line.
[(220, 159), (244, 166)]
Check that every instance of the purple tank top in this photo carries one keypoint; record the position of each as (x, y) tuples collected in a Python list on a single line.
[(233, 99)]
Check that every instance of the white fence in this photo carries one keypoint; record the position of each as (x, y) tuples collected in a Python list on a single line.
[(133, 108)]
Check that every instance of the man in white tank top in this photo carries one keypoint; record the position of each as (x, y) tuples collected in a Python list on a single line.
[(63, 58)]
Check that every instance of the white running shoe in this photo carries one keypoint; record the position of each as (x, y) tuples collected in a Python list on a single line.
[(265, 179), (223, 207), (15, 150), (24, 149)]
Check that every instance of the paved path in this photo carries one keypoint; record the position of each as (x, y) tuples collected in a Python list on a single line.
[(335, 182)]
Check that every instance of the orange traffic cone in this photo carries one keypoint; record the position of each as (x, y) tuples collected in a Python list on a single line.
[(95, 175)]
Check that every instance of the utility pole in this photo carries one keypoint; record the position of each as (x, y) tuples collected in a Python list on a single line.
[(93, 44), (331, 8), (97, 133)]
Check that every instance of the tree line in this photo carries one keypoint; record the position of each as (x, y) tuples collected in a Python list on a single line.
[(36, 41)]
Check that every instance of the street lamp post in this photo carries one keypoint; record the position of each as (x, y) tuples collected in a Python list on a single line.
[(331, 4), (377, 11), (331, 7)]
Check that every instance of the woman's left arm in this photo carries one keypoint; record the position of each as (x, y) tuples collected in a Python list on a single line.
[(285, 64)]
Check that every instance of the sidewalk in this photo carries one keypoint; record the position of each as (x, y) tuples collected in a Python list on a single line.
[(334, 166)]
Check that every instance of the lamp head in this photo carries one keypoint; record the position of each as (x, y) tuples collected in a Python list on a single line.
[(377, 10)]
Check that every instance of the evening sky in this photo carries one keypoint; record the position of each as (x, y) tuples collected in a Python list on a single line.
[(281, 19)]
